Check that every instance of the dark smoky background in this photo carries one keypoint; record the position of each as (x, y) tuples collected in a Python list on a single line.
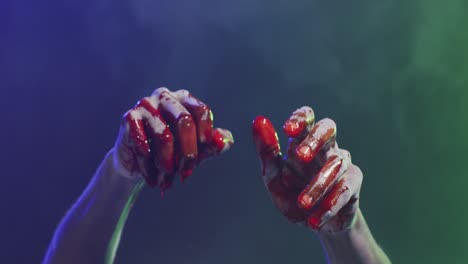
[(391, 73)]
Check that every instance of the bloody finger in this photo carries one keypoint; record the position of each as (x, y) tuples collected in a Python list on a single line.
[(321, 135), (322, 182)]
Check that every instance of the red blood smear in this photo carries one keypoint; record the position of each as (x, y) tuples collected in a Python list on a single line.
[(292, 181), (265, 135), (288, 205), (168, 165), (320, 190), (185, 174), (204, 126), (165, 137), (314, 222), (304, 201), (266, 140), (293, 128), (187, 137), (187, 134), (147, 105), (208, 135), (304, 152), (320, 141), (326, 205), (333, 199), (163, 150), (218, 140), (137, 134)]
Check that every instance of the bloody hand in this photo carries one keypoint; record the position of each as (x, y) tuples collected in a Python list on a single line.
[(165, 134), (316, 183)]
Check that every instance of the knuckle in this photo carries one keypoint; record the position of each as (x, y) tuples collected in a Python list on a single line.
[(307, 110), (142, 101), (127, 116), (205, 110), (345, 154), (342, 200), (356, 172), (186, 119), (328, 122), (204, 113), (160, 90), (304, 113), (154, 101), (183, 92), (334, 210), (157, 125)]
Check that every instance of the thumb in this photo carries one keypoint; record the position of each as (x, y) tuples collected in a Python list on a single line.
[(267, 146)]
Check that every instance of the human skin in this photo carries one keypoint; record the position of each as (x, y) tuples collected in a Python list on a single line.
[(317, 185), (167, 135), (164, 135)]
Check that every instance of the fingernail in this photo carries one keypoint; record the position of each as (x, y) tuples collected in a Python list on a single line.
[(223, 139), (291, 128), (165, 185), (188, 165), (304, 153), (218, 140), (305, 201), (263, 130), (314, 222), (185, 174)]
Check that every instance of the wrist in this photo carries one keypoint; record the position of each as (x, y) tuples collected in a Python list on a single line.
[(113, 179), (117, 193), (117, 170), (352, 245)]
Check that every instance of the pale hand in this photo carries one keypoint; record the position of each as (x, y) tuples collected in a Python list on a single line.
[(166, 134), (316, 183)]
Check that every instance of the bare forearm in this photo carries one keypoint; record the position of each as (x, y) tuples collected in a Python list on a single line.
[(86, 232), (356, 245), (146, 151)]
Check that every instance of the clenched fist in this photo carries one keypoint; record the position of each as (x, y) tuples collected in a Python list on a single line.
[(316, 183), (166, 134)]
